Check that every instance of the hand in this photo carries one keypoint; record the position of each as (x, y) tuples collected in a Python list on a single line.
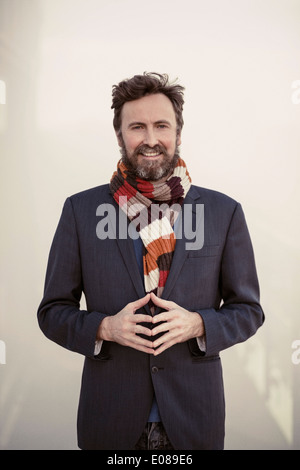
[(179, 324), (123, 327)]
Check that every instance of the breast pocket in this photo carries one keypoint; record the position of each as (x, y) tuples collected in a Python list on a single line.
[(205, 251), (198, 283)]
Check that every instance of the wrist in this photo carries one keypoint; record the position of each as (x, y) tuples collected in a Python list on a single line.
[(103, 330), (199, 328)]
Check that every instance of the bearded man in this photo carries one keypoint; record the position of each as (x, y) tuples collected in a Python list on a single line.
[(159, 308)]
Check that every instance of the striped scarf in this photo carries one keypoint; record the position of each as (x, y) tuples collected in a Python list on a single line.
[(153, 209)]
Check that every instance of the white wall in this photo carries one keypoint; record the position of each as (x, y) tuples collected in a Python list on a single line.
[(239, 61)]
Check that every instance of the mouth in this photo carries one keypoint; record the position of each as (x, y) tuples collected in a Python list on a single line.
[(151, 154)]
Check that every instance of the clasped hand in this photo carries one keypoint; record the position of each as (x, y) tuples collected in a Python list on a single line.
[(176, 323)]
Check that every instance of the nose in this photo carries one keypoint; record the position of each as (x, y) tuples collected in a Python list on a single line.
[(150, 138)]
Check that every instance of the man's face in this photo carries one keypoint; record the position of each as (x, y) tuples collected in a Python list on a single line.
[(149, 140)]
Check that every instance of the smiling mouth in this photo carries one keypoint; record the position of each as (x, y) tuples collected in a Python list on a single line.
[(153, 154)]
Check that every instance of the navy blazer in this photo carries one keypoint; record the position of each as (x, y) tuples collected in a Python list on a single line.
[(218, 280)]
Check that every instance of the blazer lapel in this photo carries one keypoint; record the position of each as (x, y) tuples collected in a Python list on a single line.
[(127, 251), (181, 250), (125, 244)]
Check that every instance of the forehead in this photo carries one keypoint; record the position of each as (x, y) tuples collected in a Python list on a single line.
[(150, 108)]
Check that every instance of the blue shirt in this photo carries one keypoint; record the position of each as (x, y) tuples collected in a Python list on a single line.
[(138, 248)]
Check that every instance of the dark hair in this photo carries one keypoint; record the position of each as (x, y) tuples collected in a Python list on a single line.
[(146, 84)]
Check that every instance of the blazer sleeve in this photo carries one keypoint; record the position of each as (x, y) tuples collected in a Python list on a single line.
[(59, 314), (241, 314)]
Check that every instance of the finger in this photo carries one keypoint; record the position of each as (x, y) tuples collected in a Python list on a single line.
[(141, 347), (162, 348), (145, 350), (140, 302), (162, 317), (159, 347), (167, 339), (166, 304), (163, 328), (142, 318), (141, 344), (142, 330)]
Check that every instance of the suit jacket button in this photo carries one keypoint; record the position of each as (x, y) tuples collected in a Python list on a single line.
[(154, 369)]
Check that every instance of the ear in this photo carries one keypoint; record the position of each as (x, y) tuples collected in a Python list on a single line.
[(178, 139), (119, 138)]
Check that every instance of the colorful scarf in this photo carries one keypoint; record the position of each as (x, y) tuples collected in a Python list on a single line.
[(153, 209)]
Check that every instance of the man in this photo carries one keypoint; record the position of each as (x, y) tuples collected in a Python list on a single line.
[(166, 289)]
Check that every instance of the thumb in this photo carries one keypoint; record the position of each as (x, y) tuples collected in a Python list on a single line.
[(165, 304), (141, 302)]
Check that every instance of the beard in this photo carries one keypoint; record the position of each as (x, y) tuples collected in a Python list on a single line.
[(150, 170)]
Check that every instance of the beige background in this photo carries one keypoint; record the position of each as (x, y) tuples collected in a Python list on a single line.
[(240, 62)]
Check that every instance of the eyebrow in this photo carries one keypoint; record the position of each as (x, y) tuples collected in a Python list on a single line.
[(138, 123)]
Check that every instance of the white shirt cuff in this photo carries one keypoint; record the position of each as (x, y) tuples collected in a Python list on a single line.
[(98, 346), (201, 343)]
